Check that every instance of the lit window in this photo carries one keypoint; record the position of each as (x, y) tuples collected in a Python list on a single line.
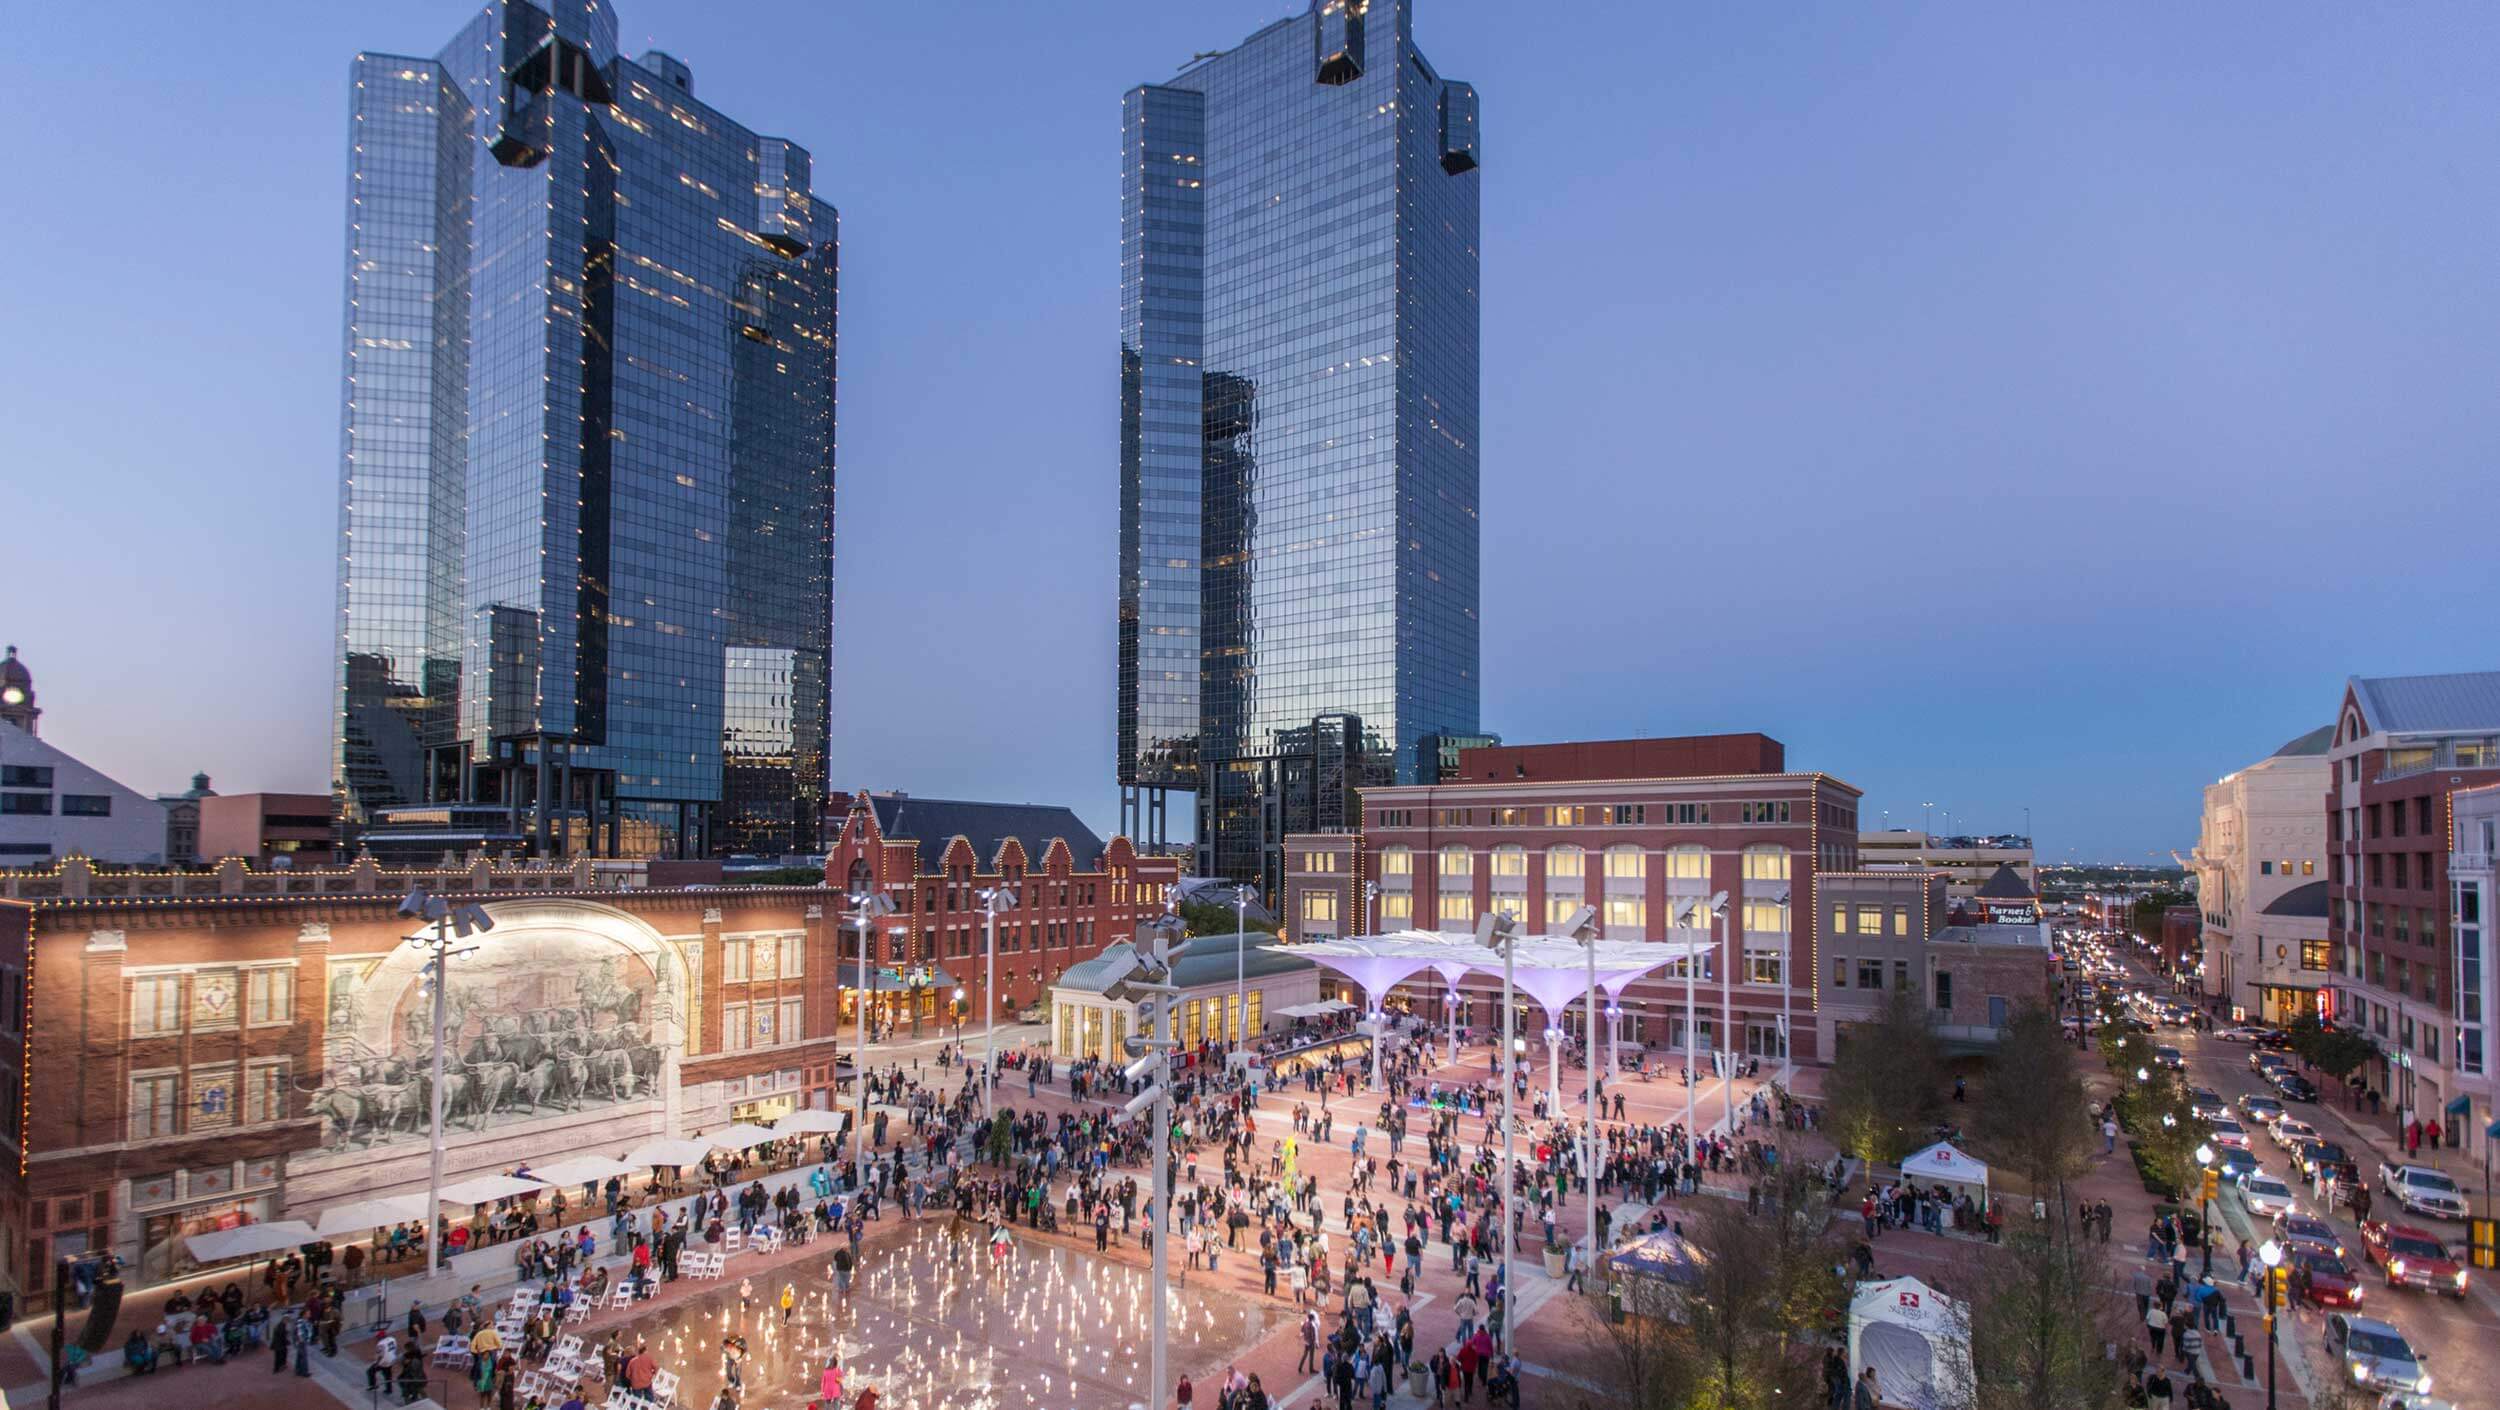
[(1625, 863), (1765, 862), (1565, 863), (1456, 861), (1627, 917), (1690, 862), (1510, 861), (1397, 861), (1319, 905), (1398, 908), (1766, 916), (1870, 920), (1458, 911)]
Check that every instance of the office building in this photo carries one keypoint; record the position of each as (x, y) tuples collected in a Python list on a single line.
[(2403, 746), (587, 460), (1639, 829), (182, 820), (2260, 840), (1895, 930), (1299, 457), (269, 829), (2474, 840), (1967, 862)]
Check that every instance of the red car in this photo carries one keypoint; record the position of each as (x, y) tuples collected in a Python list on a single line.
[(2412, 1257), (2321, 1279)]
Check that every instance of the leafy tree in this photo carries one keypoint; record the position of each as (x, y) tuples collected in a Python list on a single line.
[(1767, 1279), (2033, 1116), (1883, 1095), (2166, 1128), (2333, 1051), (2040, 1312), (1650, 1360), (781, 876), (1001, 1140), (1216, 918)]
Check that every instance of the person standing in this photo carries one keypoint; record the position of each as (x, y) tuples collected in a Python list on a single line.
[(2156, 1327), (385, 1367)]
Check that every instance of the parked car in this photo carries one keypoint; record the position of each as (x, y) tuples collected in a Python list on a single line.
[(2295, 1088), (2422, 1190), (2238, 1033), (2265, 1111), (2412, 1257), (2276, 1039), (2307, 1230), (2266, 1062), (2321, 1279), (2265, 1196), (2375, 1355), (2227, 1132)]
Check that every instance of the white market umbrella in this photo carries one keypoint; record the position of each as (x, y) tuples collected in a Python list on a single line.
[(581, 1170), (218, 1245), (486, 1189), (669, 1151), (744, 1136), (800, 1123), (364, 1215)]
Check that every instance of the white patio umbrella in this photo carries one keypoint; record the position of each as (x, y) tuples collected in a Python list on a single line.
[(218, 1245), (743, 1136), (808, 1121), (486, 1189), (364, 1215), (669, 1151), (581, 1170)]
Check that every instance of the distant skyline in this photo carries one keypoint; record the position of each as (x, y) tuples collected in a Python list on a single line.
[(2002, 409)]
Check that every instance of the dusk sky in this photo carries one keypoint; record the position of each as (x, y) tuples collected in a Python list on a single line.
[(2007, 407)]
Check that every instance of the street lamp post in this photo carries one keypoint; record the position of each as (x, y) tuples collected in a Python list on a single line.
[(993, 900), (1699, 914), (2270, 1254), (1788, 985), (1241, 976), (2205, 1204), (446, 923), (1727, 1022), (1582, 928), (866, 907), (1497, 929), (1152, 1052)]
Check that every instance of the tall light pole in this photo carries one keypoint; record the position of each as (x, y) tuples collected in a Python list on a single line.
[(1241, 974), (993, 900), (2205, 1203), (1788, 983), (1153, 979), (866, 907), (1582, 929), (1495, 929), (447, 922), (1699, 913), (2270, 1254)]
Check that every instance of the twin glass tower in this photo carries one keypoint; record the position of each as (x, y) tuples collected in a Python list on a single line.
[(587, 471), (1298, 440)]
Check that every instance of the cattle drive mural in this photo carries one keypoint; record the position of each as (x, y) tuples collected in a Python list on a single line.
[(539, 1025)]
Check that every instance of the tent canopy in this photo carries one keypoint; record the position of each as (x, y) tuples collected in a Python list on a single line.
[(1918, 1341), (1942, 1164), (486, 1189), (744, 1136), (218, 1245), (580, 1170), (364, 1215), (669, 1150), (807, 1120)]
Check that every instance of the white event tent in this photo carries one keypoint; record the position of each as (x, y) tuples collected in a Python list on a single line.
[(1918, 1341), (1941, 1164)]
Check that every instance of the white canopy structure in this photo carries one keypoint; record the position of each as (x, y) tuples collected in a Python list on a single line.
[(581, 1170), (746, 1135), (669, 1150), (365, 1215), (486, 1189), (1941, 1164), (808, 1121), (1554, 971), (1918, 1341), (218, 1245)]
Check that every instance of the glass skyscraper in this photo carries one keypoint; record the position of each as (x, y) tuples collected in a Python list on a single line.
[(1298, 545), (587, 472)]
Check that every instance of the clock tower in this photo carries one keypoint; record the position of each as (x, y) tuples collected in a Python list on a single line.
[(17, 693)]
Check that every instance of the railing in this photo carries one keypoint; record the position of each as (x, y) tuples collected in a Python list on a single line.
[(2468, 861)]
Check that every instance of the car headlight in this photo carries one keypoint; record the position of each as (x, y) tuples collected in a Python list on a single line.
[(2422, 1382), (2460, 1277), (2360, 1372), (2396, 1268)]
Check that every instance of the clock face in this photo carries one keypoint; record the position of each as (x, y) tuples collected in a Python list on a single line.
[(13, 696)]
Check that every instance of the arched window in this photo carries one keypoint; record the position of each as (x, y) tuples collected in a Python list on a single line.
[(1624, 862), (1510, 859), (1457, 861), (1565, 861), (1397, 861), (860, 879), (1765, 861), (1690, 862)]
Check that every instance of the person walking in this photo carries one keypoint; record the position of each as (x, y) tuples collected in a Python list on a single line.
[(2156, 1327), (385, 1367)]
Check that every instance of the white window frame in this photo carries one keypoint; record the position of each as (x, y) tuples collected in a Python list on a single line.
[(261, 977), (793, 956), (733, 969), (166, 1000), (734, 1037)]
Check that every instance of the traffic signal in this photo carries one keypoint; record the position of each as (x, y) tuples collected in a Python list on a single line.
[(2282, 1280), (2213, 1184)]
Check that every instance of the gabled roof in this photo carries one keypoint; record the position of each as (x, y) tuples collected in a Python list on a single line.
[(1203, 960), (2465, 700), (935, 822), (2303, 902), (2316, 741), (2006, 884)]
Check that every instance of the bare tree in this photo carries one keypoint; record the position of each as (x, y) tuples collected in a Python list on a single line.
[(2042, 1318), (2033, 1117), (1883, 1095)]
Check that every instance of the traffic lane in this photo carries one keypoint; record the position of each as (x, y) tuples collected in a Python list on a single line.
[(2456, 1335)]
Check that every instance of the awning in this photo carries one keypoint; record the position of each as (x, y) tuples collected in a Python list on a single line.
[(746, 1135), (486, 1189), (808, 1120), (218, 1245), (581, 1170), (2459, 1106), (365, 1215), (666, 1151)]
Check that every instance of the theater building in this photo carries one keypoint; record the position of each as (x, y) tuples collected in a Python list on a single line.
[(1639, 829)]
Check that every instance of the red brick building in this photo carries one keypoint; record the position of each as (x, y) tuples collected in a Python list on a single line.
[(934, 856), (2402, 746), (194, 1062), (1639, 829)]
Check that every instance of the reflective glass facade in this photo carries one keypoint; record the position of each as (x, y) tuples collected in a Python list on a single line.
[(1299, 231), (587, 509)]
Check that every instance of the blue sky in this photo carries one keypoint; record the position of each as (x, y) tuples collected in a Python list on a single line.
[(2008, 407)]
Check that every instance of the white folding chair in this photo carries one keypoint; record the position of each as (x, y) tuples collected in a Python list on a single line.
[(568, 1345), (731, 1241), (664, 1388), (768, 1241), (533, 1385), (451, 1351), (578, 1312), (622, 1295)]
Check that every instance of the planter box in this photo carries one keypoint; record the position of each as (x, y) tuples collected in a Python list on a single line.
[(1553, 1263)]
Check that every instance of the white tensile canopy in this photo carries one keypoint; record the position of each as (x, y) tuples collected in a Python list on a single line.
[(746, 1135), (364, 1215), (1941, 1164), (218, 1245), (486, 1189), (808, 1120), (580, 1170), (669, 1150), (1918, 1341)]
